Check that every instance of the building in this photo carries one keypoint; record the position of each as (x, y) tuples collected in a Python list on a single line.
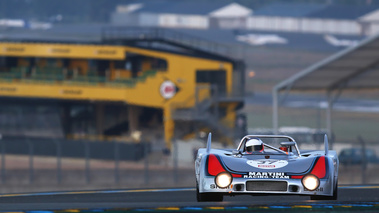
[(279, 17), (133, 84), (314, 18), (181, 14)]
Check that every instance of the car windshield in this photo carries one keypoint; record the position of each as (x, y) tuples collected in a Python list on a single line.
[(271, 146)]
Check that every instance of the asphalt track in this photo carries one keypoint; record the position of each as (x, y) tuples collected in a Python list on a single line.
[(351, 199)]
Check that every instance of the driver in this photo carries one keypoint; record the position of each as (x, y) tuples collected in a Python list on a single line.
[(254, 145)]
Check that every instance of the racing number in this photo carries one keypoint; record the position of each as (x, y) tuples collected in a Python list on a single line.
[(264, 162)]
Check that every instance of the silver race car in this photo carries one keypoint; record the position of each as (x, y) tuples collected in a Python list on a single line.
[(266, 165)]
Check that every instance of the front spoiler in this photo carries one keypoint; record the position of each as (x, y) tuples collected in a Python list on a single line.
[(238, 186)]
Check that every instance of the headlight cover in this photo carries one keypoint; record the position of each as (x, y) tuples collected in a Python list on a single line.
[(223, 180), (310, 182)]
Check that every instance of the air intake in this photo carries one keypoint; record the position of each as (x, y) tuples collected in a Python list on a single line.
[(262, 186)]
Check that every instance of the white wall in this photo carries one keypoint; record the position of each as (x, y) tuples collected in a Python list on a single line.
[(330, 26), (273, 23), (128, 19), (306, 25), (185, 21), (373, 29), (148, 19)]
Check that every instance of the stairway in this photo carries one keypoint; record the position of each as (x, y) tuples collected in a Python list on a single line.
[(206, 113)]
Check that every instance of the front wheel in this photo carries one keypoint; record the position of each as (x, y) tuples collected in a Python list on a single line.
[(207, 197), (335, 191), (333, 197)]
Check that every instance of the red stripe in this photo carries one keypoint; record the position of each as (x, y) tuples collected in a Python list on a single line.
[(297, 176), (320, 168), (214, 166)]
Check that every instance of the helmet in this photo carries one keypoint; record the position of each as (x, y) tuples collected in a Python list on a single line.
[(254, 145)]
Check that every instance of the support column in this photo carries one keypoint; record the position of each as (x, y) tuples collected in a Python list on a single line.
[(133, 118), (99, 110), (275, 113), (66, 119), (329, 119), (123, 116), (169, 126)]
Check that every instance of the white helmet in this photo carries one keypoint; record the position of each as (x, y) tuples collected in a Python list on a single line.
[(254, 145)]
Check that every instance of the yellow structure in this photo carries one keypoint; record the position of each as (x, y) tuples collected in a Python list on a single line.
[(157, 91)]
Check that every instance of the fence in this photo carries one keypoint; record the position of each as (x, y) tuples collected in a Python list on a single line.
[(30, 171), (31, 165), (114, 33)]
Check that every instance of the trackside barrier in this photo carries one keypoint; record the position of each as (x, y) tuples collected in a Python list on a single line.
[(3, 175), (148, 171)]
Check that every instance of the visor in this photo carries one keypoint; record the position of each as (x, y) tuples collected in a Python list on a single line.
[(254, 148)]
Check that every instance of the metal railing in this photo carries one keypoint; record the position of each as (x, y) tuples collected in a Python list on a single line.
[(153, 33), (205, 108), (32, 169), (55, 75), (205, 97)]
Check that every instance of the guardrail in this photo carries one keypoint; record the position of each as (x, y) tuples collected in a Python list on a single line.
[(153, 33), (139, 157), (61, 75)]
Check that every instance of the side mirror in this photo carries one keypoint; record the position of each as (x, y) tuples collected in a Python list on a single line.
[(287, 143), (236, 152)]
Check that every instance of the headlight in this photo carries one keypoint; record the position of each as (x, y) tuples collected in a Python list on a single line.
[(223, 180), (310, 182)]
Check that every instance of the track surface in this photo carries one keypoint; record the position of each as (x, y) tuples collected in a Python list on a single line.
[(177, 199)]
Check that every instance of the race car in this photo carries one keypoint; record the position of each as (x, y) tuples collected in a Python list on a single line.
[(266, 165)]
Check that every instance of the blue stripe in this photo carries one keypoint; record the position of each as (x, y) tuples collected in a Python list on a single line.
[(237, 207), (323, 206), (40, 212), (191, 208), (279, 207), (369, 205), (357, 186), (93, 210)]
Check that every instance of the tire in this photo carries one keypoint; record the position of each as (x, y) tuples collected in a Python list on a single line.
[(335, 192), (208, 197), (333, 197)]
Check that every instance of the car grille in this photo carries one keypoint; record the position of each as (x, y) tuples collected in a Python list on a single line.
[(280, 186)]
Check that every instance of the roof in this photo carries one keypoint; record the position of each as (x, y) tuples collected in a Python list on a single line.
[(178, 7), (288, 9), (294, 40), (353, 68), (351, 12), (232, 10), (326, 11), (370, 17)]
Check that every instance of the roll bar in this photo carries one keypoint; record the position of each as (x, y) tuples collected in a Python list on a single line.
[(244, 139)]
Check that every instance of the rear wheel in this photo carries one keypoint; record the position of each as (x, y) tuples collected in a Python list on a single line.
[(207, 197)]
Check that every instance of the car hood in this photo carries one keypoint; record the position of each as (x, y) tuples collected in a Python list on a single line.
[(261, 163)]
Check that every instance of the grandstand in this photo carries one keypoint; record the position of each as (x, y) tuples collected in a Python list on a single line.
[(132, 82)]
